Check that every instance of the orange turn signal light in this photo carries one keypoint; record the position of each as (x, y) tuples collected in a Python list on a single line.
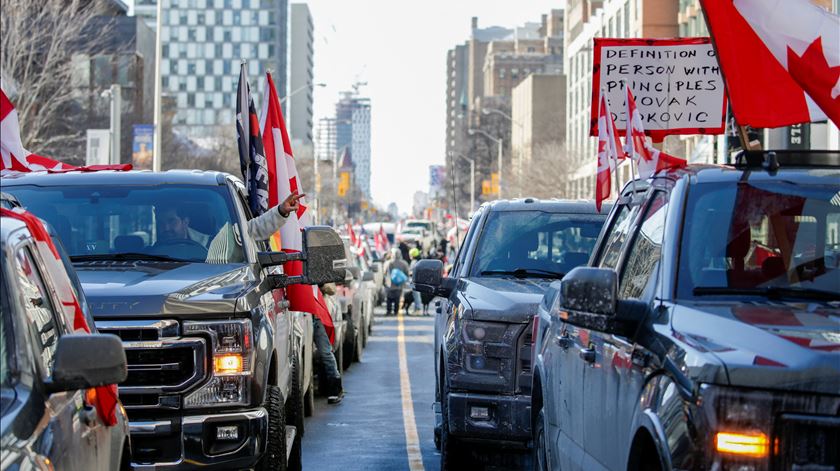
[(227, 364), (755, 445)]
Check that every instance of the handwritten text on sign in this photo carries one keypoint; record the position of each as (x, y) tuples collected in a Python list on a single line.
[(676, 83)]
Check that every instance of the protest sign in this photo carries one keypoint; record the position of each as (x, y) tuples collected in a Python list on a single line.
[(677, 84)]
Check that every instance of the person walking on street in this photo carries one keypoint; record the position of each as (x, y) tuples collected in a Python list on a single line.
[(415, 295), (396, 277)]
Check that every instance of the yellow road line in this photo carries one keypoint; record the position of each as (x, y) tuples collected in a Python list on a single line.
[(412, 440)]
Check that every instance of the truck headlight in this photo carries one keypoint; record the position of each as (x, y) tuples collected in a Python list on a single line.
[(740, 424), (232, 347), (476, 335)]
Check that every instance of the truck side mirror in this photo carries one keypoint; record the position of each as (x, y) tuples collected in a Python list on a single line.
[(590, 300), (86, 361), (429, 279), (325, 260)]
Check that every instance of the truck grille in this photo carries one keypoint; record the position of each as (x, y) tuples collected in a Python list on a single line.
[(159, 367), (523, 359), (804, 441), (162, 365)]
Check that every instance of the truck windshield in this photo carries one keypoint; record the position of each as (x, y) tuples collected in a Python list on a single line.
[(535, 243), (761, 238), (191, 223)]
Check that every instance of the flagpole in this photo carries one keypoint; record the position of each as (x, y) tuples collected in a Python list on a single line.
[(156, 144), (627, 126)]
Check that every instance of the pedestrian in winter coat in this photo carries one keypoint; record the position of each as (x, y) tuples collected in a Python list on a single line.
[(394, 290), (413, 296)]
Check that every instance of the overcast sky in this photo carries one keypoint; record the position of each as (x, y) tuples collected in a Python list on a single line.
[(399, 48)]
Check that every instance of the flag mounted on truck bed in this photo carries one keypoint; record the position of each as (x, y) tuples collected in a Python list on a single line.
[(780, 60)]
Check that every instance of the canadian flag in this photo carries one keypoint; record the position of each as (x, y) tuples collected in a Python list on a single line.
[(283, 181), (609, 148), (780, 60), (647, 158), (12, 154), (103, 398)]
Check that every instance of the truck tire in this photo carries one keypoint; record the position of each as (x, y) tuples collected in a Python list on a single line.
[(349, 347), (540, 456), (275, 447), (294, 406), (453, 454), (309, 397), (360, 344)]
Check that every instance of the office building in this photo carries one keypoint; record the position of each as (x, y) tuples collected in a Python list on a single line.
[(538, 109), (203, 42), (352, 125), (301, 78)]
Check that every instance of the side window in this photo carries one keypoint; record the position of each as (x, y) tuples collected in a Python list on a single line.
[(38, 308), (461, 259), (243, 202), (644, 255), (621, 227)]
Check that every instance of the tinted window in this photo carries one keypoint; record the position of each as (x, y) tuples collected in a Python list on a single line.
[(644, 255), (535, 241), (621, 227), (37, 308), (185, 222), (767, 235), (7, 344)]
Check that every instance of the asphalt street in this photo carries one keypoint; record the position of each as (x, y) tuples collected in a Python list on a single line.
[(374, 428)]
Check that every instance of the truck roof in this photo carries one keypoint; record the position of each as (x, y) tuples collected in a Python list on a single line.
[(134, 177), (547, 205)]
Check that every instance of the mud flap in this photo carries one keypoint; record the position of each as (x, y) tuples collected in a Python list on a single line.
[(291, 433)]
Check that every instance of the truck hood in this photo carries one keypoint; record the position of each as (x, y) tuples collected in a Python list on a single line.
[(504, 299), (769, 345), (133, 289)]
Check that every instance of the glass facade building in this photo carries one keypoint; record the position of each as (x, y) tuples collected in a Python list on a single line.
[(204, 42)]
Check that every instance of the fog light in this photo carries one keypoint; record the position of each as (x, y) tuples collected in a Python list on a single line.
[(479, 333), (480, 413), (227, 432), (227, 364), (753, 445)]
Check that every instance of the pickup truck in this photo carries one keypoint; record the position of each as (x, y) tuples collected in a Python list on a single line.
[(216, 361), (703, 333), (512, 252)]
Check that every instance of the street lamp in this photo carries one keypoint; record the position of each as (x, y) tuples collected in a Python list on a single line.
[(498, 142), (300, 89), (472, 177), (489, 111)]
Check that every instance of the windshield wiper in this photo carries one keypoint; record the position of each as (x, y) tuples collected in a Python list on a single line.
[(525, 273), (769, 291), (121, 257)]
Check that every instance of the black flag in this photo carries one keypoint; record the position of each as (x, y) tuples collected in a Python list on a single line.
[(251, 153)]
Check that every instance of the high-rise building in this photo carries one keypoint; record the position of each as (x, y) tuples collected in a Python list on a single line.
[(456, 99), (301, 78), (203, 42), (538, 112), (325, 142), (352, 124), (586, 20)]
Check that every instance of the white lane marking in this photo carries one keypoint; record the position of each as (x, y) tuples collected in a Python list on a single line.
[(412, 440)]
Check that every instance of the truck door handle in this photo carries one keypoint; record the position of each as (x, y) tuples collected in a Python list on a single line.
[(563, 341), (588, 354)]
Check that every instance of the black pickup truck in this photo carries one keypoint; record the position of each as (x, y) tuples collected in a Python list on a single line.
[(705, 331), (512, 251), (215, 369)]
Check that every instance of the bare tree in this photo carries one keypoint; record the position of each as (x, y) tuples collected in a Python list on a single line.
[(545, 174), (38, 41)]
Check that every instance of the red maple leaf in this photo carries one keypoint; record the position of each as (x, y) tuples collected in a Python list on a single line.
[(812, 72)]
